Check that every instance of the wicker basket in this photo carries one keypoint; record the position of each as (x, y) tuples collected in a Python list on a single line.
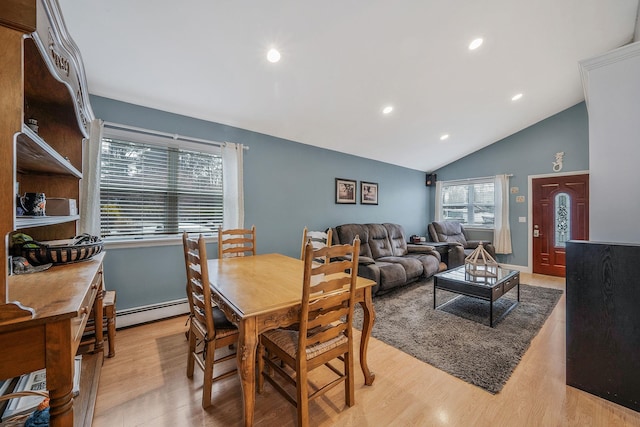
[(20, 419), (77, 249)]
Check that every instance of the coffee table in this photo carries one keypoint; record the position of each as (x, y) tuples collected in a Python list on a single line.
[(458, 281)]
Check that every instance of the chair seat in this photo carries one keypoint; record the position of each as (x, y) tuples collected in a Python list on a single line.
[(223, 328), (287, 340), (221, 321)]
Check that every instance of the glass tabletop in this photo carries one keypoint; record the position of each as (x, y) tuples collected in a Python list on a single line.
[(459, 274)]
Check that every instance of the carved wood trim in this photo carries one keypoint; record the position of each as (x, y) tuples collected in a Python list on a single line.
[(278, 319), (63, 59), (226, 308)]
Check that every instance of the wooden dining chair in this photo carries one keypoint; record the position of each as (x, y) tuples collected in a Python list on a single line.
[(236, 242), (209, 329), (108, 320), (325, 333), (318, 239)]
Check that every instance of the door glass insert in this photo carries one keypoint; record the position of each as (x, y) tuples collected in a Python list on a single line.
[(562, 206)]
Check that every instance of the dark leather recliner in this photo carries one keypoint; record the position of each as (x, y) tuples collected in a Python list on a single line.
[(453, 233)]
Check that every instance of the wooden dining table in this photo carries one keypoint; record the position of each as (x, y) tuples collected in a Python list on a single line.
[(263, 292)]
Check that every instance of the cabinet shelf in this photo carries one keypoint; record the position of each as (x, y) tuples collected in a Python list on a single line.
[(33, 154), (38, 221)]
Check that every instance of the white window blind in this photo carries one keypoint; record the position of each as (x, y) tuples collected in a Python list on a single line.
[(158, 189), (470, 202)]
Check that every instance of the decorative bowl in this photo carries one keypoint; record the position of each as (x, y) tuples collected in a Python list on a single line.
[(79, 248)]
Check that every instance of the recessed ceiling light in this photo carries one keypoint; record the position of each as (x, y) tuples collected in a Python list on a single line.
[(273, 55), (388, 109), (444, 137), (475, 44), (516, 97)]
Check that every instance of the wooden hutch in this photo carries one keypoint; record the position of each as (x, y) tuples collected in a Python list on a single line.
[(43, 315)]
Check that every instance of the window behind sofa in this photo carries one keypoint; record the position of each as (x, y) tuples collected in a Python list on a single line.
[(469, 201), (153, 186)]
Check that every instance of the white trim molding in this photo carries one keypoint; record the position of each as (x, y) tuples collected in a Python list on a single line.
[(611, 57), (150, 313)]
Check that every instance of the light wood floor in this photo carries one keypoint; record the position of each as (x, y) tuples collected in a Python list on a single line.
[(145, 385)]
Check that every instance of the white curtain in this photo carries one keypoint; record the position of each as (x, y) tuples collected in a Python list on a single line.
[(232, 185), (438, 215), (90, 183), (502, 231)]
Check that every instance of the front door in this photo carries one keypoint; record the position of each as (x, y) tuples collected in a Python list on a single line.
[(560, 213)]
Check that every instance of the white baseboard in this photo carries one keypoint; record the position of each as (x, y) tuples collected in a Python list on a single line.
[(149, 313)]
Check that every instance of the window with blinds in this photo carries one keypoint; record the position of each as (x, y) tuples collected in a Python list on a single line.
[(470, 202), (153, 190)]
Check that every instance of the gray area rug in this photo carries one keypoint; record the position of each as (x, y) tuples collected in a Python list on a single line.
[(457, 338)]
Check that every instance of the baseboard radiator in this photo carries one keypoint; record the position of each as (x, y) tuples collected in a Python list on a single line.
[(149, 313)]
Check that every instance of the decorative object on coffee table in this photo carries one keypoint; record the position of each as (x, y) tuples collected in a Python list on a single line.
[(480, 264)]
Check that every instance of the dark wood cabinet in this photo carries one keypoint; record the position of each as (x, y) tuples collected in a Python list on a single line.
[(603, 320)]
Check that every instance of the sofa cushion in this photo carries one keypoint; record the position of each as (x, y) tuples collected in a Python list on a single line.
[(413, 266), (391, 275), (347, 232), (397, 239), (379, 241), (430, 263)]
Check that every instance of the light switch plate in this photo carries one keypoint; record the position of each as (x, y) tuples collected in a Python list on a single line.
[(515, 190), (522, 219), (520, 199)]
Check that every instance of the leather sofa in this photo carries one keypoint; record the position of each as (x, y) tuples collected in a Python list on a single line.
[(386, 257), (453, 232)]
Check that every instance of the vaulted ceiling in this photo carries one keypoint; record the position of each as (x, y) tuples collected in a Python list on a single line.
[(343, 61)]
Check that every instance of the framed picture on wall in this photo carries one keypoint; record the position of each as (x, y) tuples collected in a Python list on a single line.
[(368, 193), (345, 191)]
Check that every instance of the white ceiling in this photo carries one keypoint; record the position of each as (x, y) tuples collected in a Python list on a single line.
[(343, 61)]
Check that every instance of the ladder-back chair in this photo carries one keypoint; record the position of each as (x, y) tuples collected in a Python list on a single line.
[(236, 242), (324, 335), (318, 239), (209, 329)]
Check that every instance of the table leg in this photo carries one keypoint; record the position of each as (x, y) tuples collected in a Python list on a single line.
[(247, 344), (367, 326), (491, 313), (98, 318), (434, 293)]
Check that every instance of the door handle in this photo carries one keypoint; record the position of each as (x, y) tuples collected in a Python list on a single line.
[(536, 231)]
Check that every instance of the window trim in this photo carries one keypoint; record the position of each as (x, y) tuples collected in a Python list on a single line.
[(164, 140), (153, 242), (465, 181)]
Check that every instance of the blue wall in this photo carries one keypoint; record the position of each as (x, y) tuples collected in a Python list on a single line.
[(528, 152), (287, 186)]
